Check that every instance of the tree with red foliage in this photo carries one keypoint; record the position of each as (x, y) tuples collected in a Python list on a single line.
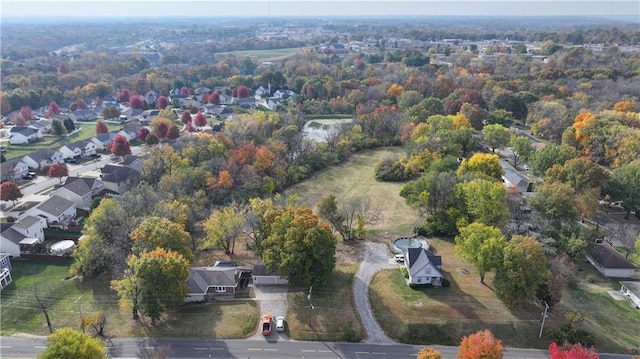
[(572, 351), (161, 130), (26, 113), (123, 95), (214, 98), (186, 117), (101, 128), (480, 345), (10, 191), (143, 133), (82, 104), (97, 101), (54, 109), (205, 98), (200, 120), (185, 91), (58, 170), (135, 101), (359, 64), (173, 132), (190, 127), (120, 146), (243, 91), (162, 102)]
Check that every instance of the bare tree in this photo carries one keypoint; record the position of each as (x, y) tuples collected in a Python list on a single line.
[(43, 306), (349, 216), (627, 234)]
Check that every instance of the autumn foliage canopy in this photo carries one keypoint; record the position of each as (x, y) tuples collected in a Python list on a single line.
[(480, 345), (572, 351)]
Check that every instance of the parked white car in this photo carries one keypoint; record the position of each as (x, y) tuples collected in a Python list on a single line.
[(280, 324), (399, 258)]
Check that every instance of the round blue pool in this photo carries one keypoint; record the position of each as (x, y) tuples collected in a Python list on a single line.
[(400, 244)]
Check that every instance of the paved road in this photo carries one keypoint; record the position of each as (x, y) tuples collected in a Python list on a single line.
[(11, 347), (272, 299), (376, 257)]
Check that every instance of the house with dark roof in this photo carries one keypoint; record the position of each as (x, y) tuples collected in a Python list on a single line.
[(5, 270), (631, 290), (18, 236), (223, 279), (423, 266), (13, 170), (105, 140), (133, 162), (83, 148), (247, 102), (119, 179), (42, 124), (512, 179), (80, 190), (42, 158), (19, 135), (56, 210), (608, 261), (85, 114)]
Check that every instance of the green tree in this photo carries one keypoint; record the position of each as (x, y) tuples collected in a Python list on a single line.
[(69, 125), (486, 202), (555, 201), (500, 117), (550, 155), (466, 139), (482, 245), (328, 210), (154, 232), (57, 128), (483, 163), (583, 174), (523, 270), (222, 228), (155, 281), (301, 247), (409, 98), (70, 343), (496, 136), (522, 149), (624, 185)]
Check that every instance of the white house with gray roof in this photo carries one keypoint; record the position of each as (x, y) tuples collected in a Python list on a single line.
[(223, 279), (83, 148), (42, 158), (13, 170), (80, 190), (423, 267), (57, 211), (5, 270), (22, 135), (25, 232)]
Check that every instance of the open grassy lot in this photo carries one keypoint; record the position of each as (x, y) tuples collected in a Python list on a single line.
[(68, 299), (334, 317), (265, 55), (87, 131), (356, 178)]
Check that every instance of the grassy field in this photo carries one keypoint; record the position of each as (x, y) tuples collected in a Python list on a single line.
[(87, 131), (265, 55), (444, 315), (356, 178), (68, 299), (334, 317)]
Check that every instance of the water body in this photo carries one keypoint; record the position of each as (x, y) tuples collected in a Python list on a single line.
[(317, 130)]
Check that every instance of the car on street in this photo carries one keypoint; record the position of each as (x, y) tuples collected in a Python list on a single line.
[(95, 155), (30, 176), (526, 167), (280, 324), (399, 258)]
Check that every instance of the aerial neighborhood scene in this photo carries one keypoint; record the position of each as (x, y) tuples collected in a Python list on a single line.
[(290, 179)]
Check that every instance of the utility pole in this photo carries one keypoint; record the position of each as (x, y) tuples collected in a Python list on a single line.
[(544, 316), (310, 305)]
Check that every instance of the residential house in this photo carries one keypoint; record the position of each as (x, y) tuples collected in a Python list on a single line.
[(130, 130), (512, 179), (5, 270), (609, 262), (133, 162), (80, 190), (247, 102), (148, 115), (423, 266), (201, 91), (84, 115), (83, 148), (43, 124), (151, 97), (13, 170), (284, 95), (42, 158), (260, 276), (64, 116), (269, 104), (263, 90), (56, 210), (226, 99), (18, 236), (119, 179), (105, 140), (223, 279), (631, 290), (187, 103), (210, 109), (132, 113), (19, 135)]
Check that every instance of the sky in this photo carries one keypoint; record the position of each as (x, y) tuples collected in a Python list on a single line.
[(313, 8)]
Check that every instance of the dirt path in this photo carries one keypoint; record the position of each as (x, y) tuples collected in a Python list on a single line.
[(376, 257)]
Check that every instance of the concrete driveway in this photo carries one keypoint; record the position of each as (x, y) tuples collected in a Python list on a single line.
[(376, 257), (272, 299)]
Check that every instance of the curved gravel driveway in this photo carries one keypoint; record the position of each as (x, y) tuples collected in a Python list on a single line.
[(376, 257)]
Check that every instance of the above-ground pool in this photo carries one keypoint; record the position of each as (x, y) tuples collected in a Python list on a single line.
[(398, 245)]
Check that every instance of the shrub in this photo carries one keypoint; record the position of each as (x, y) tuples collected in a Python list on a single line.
[(405, 272), (390, 170)]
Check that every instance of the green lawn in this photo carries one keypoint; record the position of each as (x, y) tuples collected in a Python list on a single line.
[(265, 55), (87, 131)]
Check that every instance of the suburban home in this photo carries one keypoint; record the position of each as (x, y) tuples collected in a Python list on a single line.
[(284, 95), (130, 130), (18, 236), (147, 116), (105, 140), (119, 179), (186, 103), (151, 97), (42, 124), (133, 162), (609, 262), (210, 109), (224, 279), (80, 190), (263, 90), (84, 115), (63, 116), (13, 170), (260, 276), (5, 270), (19, 135), (226, 99), (82, 148), (512, 179), (42, 158), (132, 113), (631, 290), (269, 103), (247, 102), (423, 267), (201, 91), (56, 210)]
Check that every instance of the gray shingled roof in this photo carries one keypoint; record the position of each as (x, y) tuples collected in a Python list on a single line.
[(608, 257), (26, 222), (418, 258), (77, 185), (202, 278), (12, 235), (55, 205)]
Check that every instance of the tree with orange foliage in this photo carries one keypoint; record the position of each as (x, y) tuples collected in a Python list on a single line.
[(480, 345), (395, 90), (572, 351), (581, 122), (224, 180), (429, 353), (263, 158), (625, 106), (58, 170)]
